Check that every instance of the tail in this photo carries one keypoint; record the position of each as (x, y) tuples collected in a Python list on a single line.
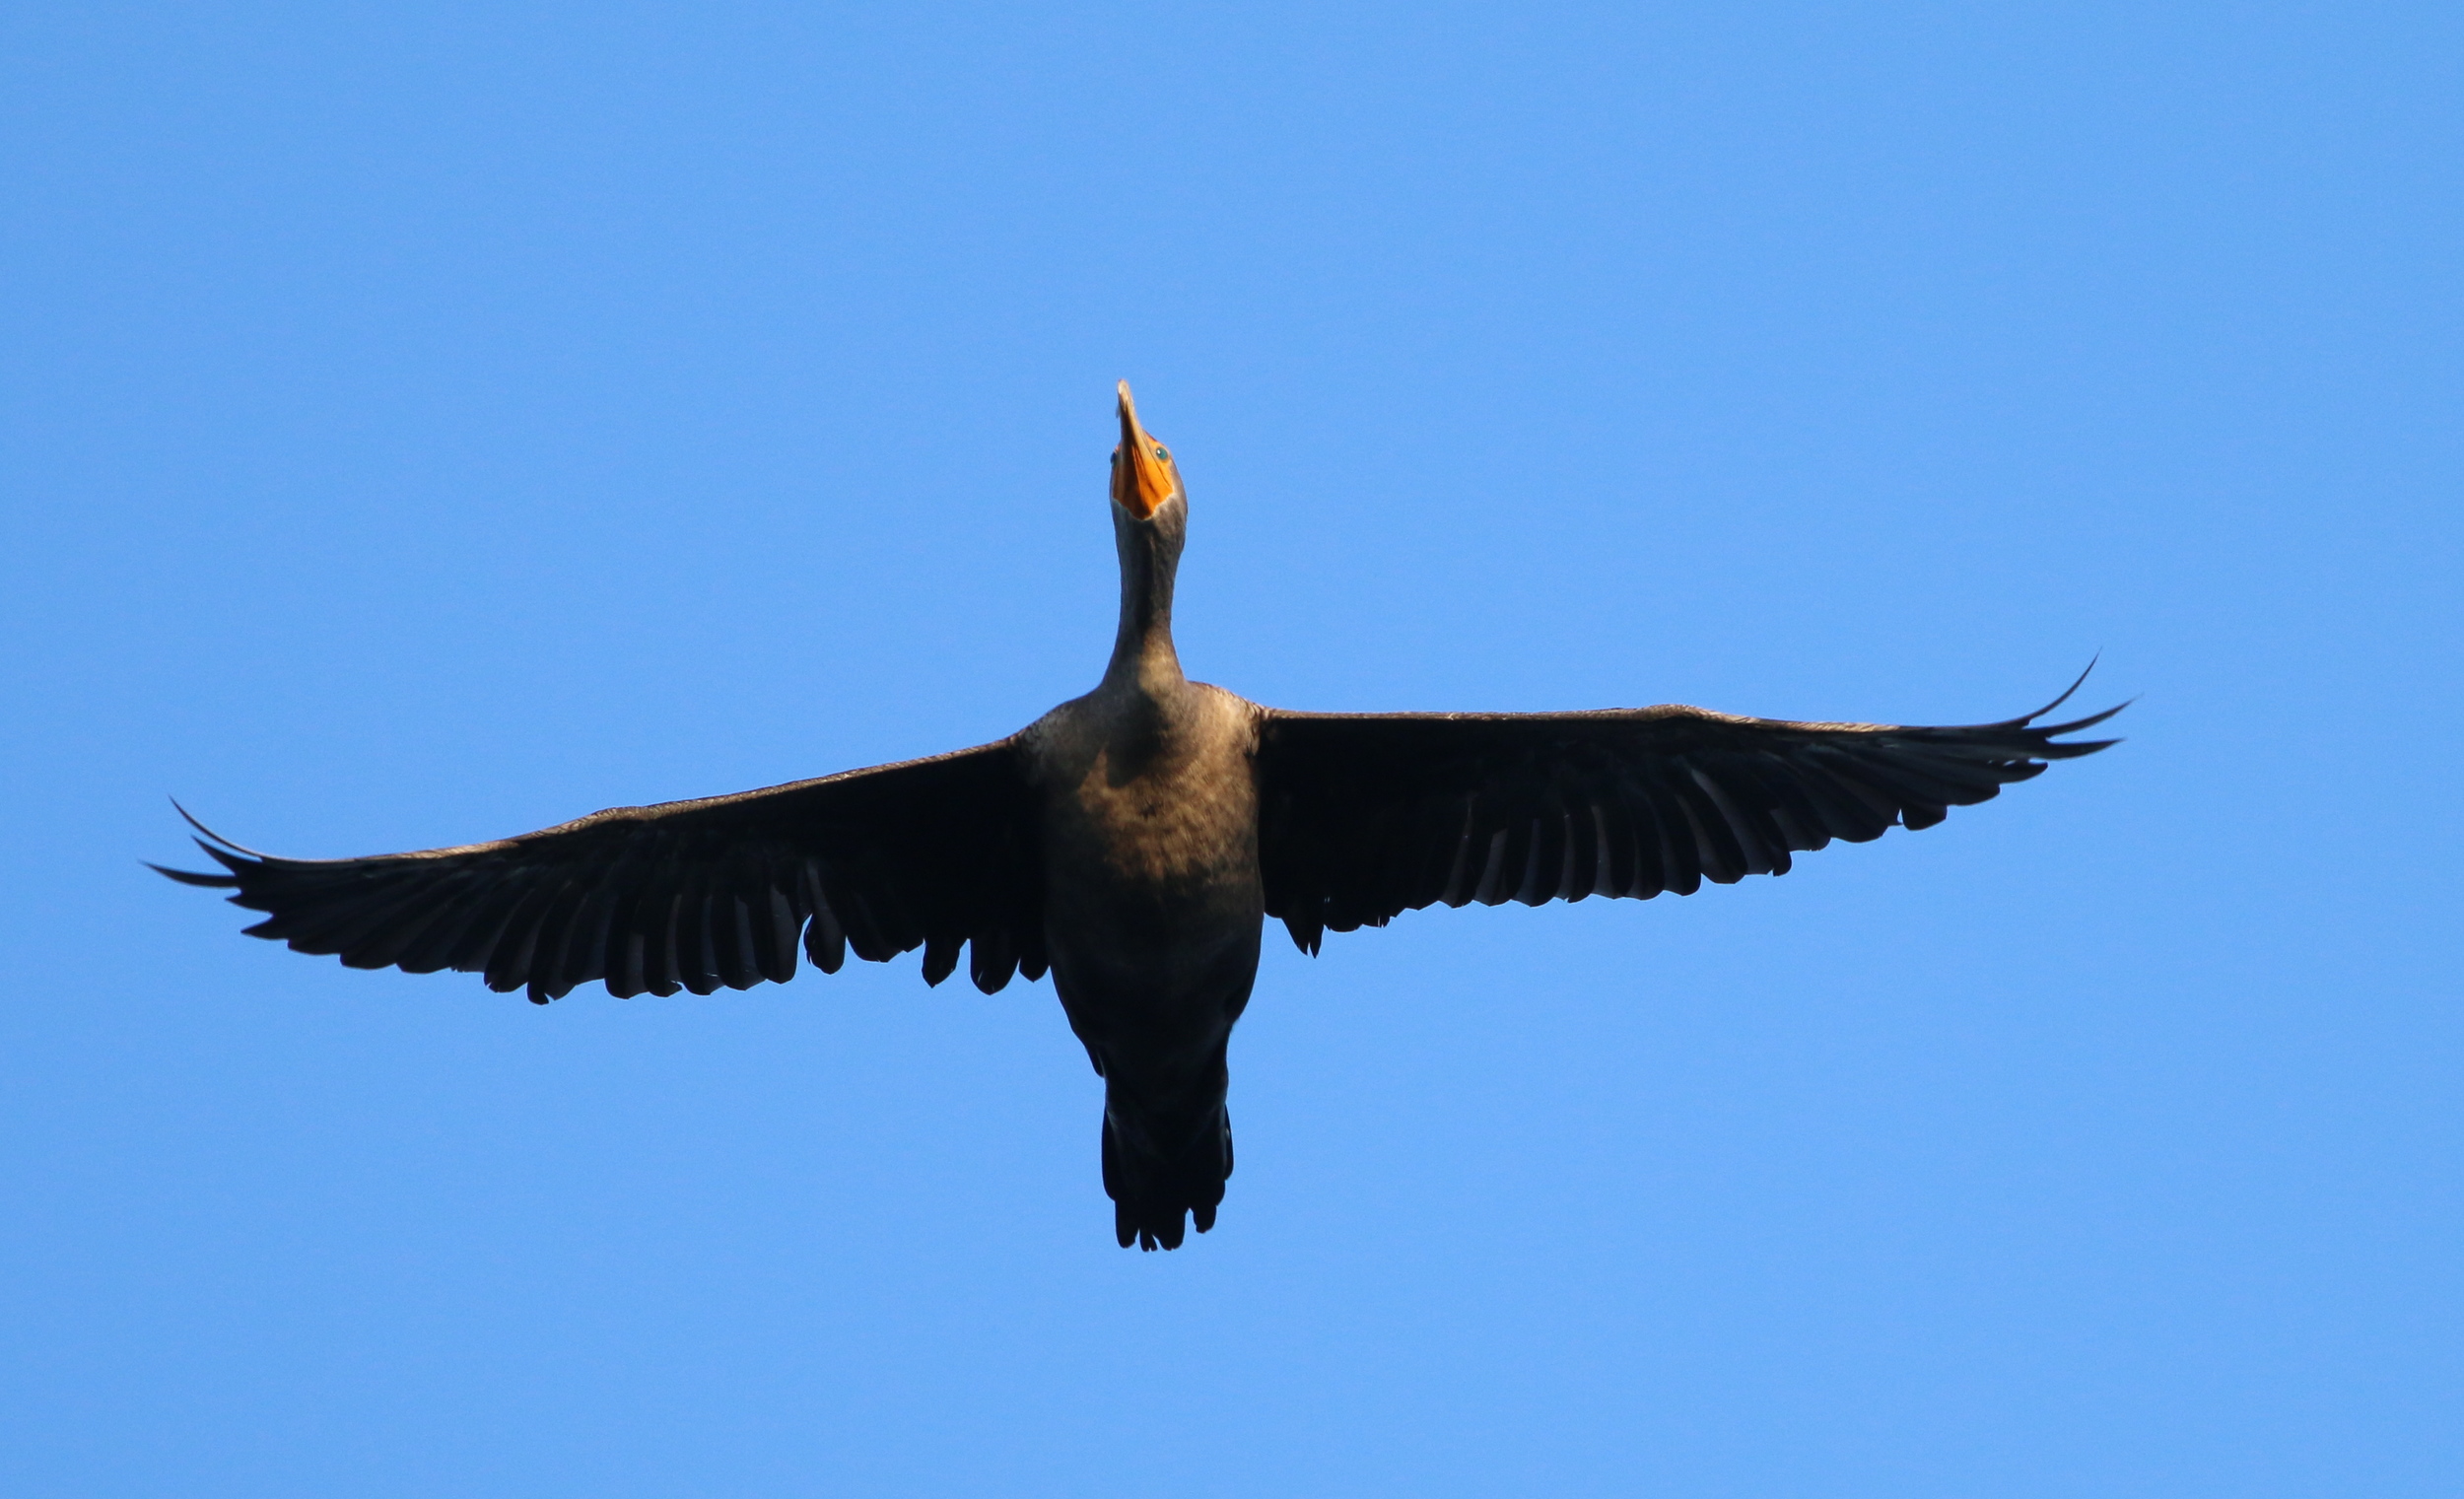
[(1161, 1164)]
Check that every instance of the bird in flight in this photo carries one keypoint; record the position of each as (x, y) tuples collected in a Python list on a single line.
[(1132, 843)]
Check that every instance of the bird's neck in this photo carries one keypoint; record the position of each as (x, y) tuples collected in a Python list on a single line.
[(1142, 657)]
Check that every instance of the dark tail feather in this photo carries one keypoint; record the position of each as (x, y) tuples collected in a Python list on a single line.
[(1162, 1166)]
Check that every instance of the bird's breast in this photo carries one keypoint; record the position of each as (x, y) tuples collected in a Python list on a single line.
[(1143, 807)]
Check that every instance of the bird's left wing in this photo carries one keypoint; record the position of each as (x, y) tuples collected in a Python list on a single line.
[(937, 853), (1363, 816)]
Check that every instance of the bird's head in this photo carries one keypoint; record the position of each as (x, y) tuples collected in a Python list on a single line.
[(1144, 476)]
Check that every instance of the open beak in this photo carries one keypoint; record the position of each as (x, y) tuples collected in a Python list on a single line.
[(1141, 483)]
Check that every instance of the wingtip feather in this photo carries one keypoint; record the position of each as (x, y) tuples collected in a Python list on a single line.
[(215, 837), (2076, 684)]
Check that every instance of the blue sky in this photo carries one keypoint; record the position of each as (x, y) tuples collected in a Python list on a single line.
[(427, 422)]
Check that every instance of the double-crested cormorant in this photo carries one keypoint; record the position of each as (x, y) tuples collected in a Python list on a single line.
[(1131, 842)]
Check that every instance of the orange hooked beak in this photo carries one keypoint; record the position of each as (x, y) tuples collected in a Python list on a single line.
[(1142, 474)]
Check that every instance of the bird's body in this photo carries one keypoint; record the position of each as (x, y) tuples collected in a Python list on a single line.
[(1151, 925), (1152, 899), (1154, 908), (1133, 842)]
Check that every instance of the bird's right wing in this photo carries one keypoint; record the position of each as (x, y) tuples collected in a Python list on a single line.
[(1363, 816), (939, 853)]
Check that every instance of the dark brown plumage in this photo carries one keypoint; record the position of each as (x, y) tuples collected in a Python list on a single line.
[(1131, 842)]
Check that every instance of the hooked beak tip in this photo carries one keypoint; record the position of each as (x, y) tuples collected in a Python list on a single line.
[(1140, 484)]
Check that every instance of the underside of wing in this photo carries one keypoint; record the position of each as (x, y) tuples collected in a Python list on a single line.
[(1367, 815), (935, 853)]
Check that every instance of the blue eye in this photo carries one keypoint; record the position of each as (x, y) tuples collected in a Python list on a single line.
[(1161, 454)]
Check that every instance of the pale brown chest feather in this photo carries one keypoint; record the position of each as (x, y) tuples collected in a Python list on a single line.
[(1149, 797)]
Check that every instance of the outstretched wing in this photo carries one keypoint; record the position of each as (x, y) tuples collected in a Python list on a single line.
[(937, 854), (1366, 815)]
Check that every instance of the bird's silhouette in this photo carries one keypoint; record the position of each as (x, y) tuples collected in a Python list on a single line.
[(1132, 843)]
